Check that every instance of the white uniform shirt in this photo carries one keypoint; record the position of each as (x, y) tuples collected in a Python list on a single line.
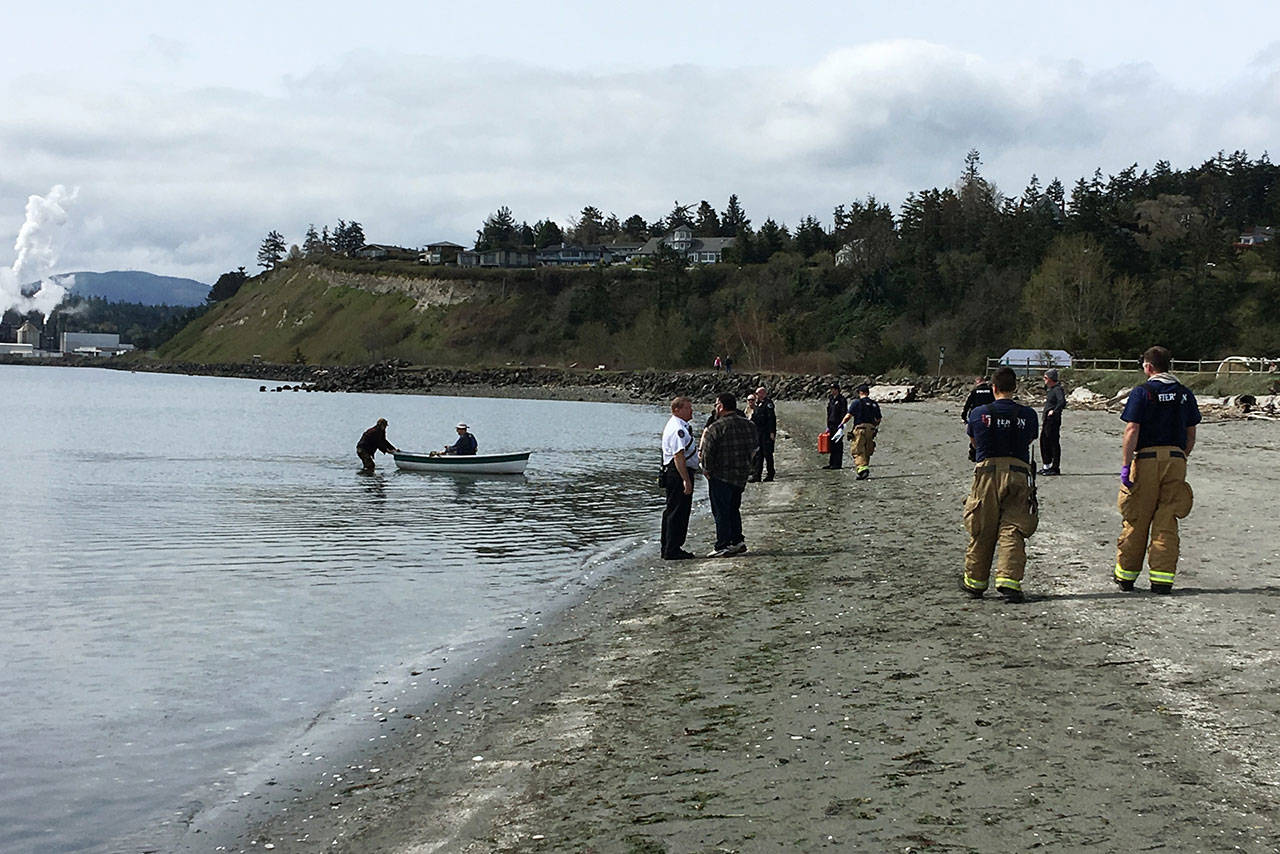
[(677, 438)]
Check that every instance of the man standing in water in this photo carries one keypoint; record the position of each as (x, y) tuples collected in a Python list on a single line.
[(371, 441), (727, 448), (679, 463), (1160, 432), (1001, 507)]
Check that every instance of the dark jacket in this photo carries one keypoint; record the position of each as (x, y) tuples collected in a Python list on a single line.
[(981, 395), (375, 439), (464, 447), (766, 421), (836, 408), (727, 447)]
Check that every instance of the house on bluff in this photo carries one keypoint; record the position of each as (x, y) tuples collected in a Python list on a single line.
[(698, 250)]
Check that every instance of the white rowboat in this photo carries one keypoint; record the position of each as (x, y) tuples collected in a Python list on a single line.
[(475, 464)]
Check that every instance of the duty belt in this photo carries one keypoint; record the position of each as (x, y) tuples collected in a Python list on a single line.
[(1151, 455), (984, 465)]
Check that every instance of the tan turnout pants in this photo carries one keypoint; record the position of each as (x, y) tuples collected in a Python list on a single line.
[(1150, 510), (998, 511), (864, 445)]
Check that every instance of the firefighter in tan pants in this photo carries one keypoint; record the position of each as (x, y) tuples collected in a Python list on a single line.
[(865, 415), (1000, 510), (1161, 416)]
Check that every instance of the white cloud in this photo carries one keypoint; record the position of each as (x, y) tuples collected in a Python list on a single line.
[(415, 148)]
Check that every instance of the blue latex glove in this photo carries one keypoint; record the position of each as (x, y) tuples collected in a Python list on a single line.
[(1124, 477)]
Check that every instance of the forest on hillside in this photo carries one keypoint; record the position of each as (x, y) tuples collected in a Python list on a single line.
[(1104, 268)]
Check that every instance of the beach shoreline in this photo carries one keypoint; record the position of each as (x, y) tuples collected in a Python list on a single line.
[(832, 689)]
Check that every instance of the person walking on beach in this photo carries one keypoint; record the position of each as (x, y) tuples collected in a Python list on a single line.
[(716, 364), (1055, 401), (727, 449), (371, 441), (979, 395), (679, 463), (1001, 508), (766, 421), (1160, 431), (837, 407), (865, 415)]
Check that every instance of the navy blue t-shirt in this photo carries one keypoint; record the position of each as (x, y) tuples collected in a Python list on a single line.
[(864, 411), (1003, 429), (1164, 411)]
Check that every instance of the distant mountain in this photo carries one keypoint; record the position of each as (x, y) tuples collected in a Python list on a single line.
[(139, 287)]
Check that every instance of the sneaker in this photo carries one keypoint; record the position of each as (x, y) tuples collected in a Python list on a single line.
[(830, 467), (737, 548), (753, 479), (724, 552), (680, 555), (973, 594), (1162, 589), (864, 474), (1010, 594), (768, 478), (1122, 584)]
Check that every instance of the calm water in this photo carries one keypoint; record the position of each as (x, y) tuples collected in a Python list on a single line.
[(193, 571)]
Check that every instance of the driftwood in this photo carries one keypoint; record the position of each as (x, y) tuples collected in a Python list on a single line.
[(893, 393)]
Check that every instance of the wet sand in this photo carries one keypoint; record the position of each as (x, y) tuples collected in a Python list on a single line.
[(832, 689)]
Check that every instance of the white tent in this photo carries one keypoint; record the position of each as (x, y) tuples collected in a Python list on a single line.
[(1027, 362)]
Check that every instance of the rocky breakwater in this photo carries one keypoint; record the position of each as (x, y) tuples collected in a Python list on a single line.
[(647, 385)]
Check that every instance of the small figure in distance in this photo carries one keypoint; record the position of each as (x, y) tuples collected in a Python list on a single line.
[(371, 441), (979, 395), (1055, 400), (837, 406), (465, 446), (865, 415)]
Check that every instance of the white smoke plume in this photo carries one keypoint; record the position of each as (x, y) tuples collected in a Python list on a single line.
[(37, 255)]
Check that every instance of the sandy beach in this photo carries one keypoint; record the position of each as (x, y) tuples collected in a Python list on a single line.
[(833, 690)]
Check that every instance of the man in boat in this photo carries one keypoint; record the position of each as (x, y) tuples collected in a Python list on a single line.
[(679, 464), (371, 441), (465, 446)]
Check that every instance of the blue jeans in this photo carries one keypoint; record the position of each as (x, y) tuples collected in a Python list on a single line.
[(726, 507)]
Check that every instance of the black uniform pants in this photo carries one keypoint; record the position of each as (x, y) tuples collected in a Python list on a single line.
[(675, 518), (763, 461), (836, 450), (1050, 441)]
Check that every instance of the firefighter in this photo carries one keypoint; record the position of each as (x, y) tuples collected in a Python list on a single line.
[(1161, 417), (1001, 508)]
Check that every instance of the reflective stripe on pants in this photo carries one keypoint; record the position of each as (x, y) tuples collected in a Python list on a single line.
[(1150, 512), (998, 512)]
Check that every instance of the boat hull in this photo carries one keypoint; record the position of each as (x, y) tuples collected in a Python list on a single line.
[(476, 464)]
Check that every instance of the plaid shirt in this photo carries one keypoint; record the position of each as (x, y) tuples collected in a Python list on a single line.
[(727, 447)]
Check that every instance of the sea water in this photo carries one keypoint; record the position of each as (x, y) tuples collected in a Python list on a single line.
[(193, 571)]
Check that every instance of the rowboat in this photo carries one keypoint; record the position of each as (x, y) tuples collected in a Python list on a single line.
[(475, 464)]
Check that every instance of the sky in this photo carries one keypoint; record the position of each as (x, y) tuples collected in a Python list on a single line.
[(182, 136)]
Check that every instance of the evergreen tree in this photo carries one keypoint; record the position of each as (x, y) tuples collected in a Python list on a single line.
[(734, 219), (313, 244), (500, 231), (546, 233), (810, 237), (706, 224), (271, 250), (227, 285), (635, 227), (680, 215), (589, 226)]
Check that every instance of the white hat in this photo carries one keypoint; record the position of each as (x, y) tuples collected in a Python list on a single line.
[(462, 426)]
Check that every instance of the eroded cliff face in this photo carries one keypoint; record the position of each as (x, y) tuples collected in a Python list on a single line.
[(425, 292)]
